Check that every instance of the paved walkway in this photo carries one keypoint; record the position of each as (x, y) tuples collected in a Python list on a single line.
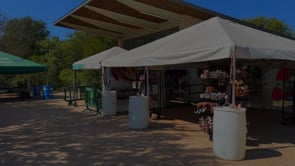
[(48, 132)]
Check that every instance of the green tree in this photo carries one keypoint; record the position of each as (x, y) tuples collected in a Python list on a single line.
[(65, 77), (21, 36), (50, 54), (273, 25), (30, 39), (3, 21), (60, 55), (79, 46)]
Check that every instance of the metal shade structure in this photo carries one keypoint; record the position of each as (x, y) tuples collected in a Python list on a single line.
[(125, 19)]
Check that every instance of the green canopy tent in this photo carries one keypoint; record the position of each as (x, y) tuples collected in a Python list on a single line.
[(10, 64)]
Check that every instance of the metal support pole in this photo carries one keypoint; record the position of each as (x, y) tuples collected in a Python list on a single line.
[(103, 79), (233, 79), (74, 87), (147, 81)]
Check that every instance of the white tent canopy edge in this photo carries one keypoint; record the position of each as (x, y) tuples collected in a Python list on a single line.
[(214, 39), (93, 62)]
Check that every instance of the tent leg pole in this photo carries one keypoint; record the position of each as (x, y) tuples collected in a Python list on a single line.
[(147, 82), (233, 80), (74, 88), (47, 78), (102, 79)]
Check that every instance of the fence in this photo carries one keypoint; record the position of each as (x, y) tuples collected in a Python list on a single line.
[(91, 95), (72, 96), (93, 99)]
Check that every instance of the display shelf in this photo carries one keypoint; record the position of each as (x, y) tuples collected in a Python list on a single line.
[(286, 76), (204, 113), (155, 92), (215, 86), (177, 87)]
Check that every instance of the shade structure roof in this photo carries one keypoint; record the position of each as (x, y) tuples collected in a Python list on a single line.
[(10, 64), (125, 19), (214, 39), (93, 62)]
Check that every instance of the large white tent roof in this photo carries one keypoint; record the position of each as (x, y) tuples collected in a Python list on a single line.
[(93, 62), (214, 39)]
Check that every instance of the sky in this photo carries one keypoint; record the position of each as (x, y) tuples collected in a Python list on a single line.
[(50, 11)]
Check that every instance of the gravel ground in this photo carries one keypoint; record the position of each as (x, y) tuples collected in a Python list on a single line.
[(49, 132)]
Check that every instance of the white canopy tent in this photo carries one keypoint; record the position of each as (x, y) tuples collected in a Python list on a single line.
[(93, 62), (214, 39)]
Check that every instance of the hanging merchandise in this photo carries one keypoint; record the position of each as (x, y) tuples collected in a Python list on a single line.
[(120, 73), (283, 96), (277, 93), (131, 72), (204, 112), (215, 86), (283, 74), (141, 85), (256, 73), (241, 89)]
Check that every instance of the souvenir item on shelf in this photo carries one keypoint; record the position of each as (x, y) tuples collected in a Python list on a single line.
[(215, 83), (283, 74), (277, 93), (204, 112), (241, 89)]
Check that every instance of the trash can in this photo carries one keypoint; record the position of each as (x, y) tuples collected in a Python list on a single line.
[(229, 133), (109, 103), (138, 115), (47, 92), (36, 90), (90, 98)]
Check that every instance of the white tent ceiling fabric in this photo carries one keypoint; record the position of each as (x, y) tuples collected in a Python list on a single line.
[(214, 39), (94, 62)]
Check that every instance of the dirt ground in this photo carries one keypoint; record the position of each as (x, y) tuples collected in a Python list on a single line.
[(49, 132)]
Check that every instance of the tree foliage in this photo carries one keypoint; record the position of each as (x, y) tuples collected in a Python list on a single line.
[(60, 55), (82, 45), (21, 36), (30, 39), (3, 21), (273, 25)]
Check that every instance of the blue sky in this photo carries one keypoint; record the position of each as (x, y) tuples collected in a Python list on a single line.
[(50, 11)]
